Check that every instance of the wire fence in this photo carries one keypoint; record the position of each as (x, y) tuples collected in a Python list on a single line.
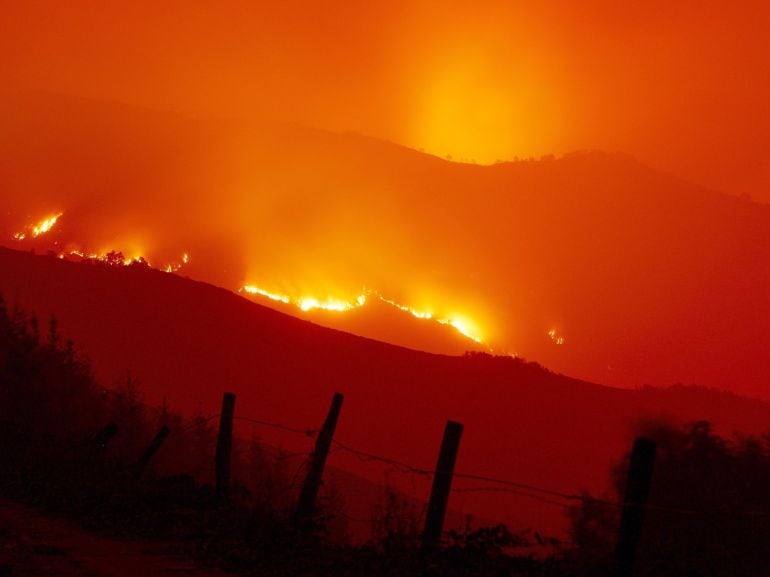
[(545, 495), (548, 496)]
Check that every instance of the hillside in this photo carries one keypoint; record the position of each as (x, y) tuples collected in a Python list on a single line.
[(648, 278), (187, 341)]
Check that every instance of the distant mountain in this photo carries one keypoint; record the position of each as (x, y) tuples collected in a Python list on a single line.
[(186, 342), (645, 277)]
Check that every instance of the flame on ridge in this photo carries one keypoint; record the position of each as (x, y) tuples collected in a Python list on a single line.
[(254, 290), (112, 257), (174, 267), (40, 228), (460, 323), (117, 258)]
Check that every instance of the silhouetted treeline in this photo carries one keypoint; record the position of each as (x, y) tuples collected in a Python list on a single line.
[(708, 513)]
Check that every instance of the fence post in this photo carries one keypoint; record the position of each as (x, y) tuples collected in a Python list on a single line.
[(442, 483), (309, 492), (225, 445), (635, 499), (150, 451)]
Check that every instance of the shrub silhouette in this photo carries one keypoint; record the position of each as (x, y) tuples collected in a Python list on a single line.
[(708, 508), (51, 412)]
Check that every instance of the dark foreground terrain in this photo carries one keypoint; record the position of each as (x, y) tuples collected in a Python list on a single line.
[(71, 448)]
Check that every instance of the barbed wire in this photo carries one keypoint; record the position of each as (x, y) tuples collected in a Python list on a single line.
[(512, 491), (538, 493), (309, 432), (399, 466)]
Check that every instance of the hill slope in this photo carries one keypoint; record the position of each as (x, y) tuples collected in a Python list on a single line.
[(648, 278), (188, 341)]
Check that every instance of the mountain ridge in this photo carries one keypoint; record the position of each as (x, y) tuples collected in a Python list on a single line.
[(646, 278)]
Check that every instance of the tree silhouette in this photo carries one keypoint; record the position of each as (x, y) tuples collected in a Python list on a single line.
[(709, 508)]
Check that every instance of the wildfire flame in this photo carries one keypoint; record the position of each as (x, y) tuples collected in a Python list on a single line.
[(556, 337), (463, 326), (307, 303), (254, 290), (460, 323), (174, 267), (117, 258), (330, 304), (111, 257), (42, 227)]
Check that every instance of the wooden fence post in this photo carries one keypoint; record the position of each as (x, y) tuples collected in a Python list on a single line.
[(150, 451), (635, 500), (225, 445), (309, 493), (442, 483)]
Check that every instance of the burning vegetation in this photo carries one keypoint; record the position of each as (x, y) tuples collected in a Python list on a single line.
[(41, 227), (460, 323)]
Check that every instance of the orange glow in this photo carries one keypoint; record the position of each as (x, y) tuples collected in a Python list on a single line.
[(176, 266), (467, 111), (329, 304), (42, 227), (303, 146), (308, 303), (117, 258), (113, 258), (556, 337), (461, 323), (682, 85), (254, 290), (547, 198)]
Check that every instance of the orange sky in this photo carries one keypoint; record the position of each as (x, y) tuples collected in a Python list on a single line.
[(649, 279), (682, 85)]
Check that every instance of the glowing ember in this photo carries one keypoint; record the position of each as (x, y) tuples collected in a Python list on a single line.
[(178, 265), (38, 229), (555, 337), (460, 323)]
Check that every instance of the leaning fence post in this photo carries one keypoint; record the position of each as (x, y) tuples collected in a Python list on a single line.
[(150, 451), (634, 502), (309, 492), (442, 483), (225, 445)]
